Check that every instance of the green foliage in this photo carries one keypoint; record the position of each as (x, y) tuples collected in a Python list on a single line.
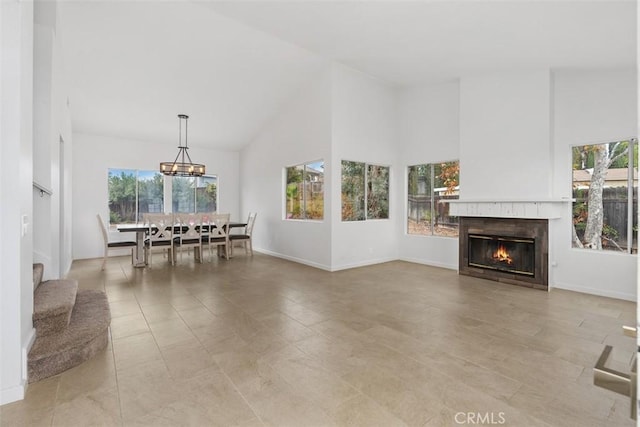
[(353, 189)]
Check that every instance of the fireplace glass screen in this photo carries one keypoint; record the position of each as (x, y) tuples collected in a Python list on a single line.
[(508, 254)]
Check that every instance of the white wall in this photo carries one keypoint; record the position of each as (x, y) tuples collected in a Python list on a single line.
[(505, 147), (429, 118), (51, 222), (364, 129), (94, 155), (592, 106), (300, 134), (16, 173)]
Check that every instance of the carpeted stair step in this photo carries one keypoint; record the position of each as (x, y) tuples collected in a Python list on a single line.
[(53, 303), (86, 335)]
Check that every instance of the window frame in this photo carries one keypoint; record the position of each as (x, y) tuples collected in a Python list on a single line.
[(304, 193), (167, 192), (633, 163), (431, 199), (366, 191), (169, 179)]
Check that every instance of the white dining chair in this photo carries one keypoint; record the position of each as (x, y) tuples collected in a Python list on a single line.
[(217, 235), (160, 228), (245, 238), (190, 233), (112, 245)]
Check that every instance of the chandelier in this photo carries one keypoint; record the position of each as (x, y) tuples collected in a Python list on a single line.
[(182, 164)]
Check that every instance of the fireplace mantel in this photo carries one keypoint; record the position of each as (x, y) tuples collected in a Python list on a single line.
[(509, 208)]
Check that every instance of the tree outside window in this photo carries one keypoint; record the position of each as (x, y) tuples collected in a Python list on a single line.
[(194, 194), (429, 188), (605, 189), (365, 191), (133, 193), (304, 191)]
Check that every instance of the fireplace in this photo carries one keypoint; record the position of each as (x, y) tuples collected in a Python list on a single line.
[(510, 250)]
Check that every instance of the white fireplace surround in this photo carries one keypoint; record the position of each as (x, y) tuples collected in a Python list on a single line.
[(510, 208)]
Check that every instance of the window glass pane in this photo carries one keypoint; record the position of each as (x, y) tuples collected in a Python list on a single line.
[(207, 194), (600, 189), (446, 187), (150, 193), (377, 192), (314, 190), (419, 200), (122, 196), (353, 208), (294, 192), (183, 194)]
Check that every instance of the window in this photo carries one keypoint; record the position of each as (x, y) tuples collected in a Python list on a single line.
[(194, 194), (429, 188), (304, 191), (362, 182), (605, 189), (133, 193)]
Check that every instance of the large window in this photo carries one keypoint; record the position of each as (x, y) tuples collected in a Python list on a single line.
[(365, 191), (194, 194), (605, 189), (133, 193), (429, 188), (304, 191)]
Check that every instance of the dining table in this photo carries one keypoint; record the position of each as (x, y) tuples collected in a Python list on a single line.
[(141, 230)]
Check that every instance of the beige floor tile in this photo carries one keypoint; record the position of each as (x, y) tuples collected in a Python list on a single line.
[(95, 375), (260, 341), (159, 313), (130, 352), (123, 308), (127, 325), (96, 408), (37, 407), (363, 411)]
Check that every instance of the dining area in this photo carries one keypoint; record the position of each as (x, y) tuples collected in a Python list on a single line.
[(174, 235)]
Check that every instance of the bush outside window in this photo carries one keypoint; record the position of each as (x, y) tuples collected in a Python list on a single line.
[(605, 189), (429, 188), (304, 191), (365, 191)]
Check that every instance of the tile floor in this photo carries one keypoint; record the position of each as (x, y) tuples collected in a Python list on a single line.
[(259, 341)]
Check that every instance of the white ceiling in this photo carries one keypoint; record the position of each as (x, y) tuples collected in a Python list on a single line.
[(231, 65)]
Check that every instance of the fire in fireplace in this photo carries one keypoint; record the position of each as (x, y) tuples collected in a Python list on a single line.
[(511, 250), (514, 255)]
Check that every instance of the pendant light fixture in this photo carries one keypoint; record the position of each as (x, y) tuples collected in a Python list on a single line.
[(182, 165)]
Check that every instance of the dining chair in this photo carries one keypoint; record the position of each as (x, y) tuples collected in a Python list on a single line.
[(245, 238), (190, 231), (112, 245), (218, 235), (160, 230)]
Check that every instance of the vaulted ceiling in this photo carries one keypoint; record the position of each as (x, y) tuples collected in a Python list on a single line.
[(231, 65)]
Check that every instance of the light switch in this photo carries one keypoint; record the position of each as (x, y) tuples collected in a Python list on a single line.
[(25, 225)]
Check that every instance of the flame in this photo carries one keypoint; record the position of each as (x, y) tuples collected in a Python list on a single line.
[(501, 255)]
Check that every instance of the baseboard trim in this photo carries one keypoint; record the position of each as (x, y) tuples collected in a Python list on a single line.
[(594, 291), (363, 264), (13, 394), (293, 259), (430, 263), (26, 348)]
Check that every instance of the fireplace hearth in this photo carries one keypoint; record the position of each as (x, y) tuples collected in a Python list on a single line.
[(510, 250)]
